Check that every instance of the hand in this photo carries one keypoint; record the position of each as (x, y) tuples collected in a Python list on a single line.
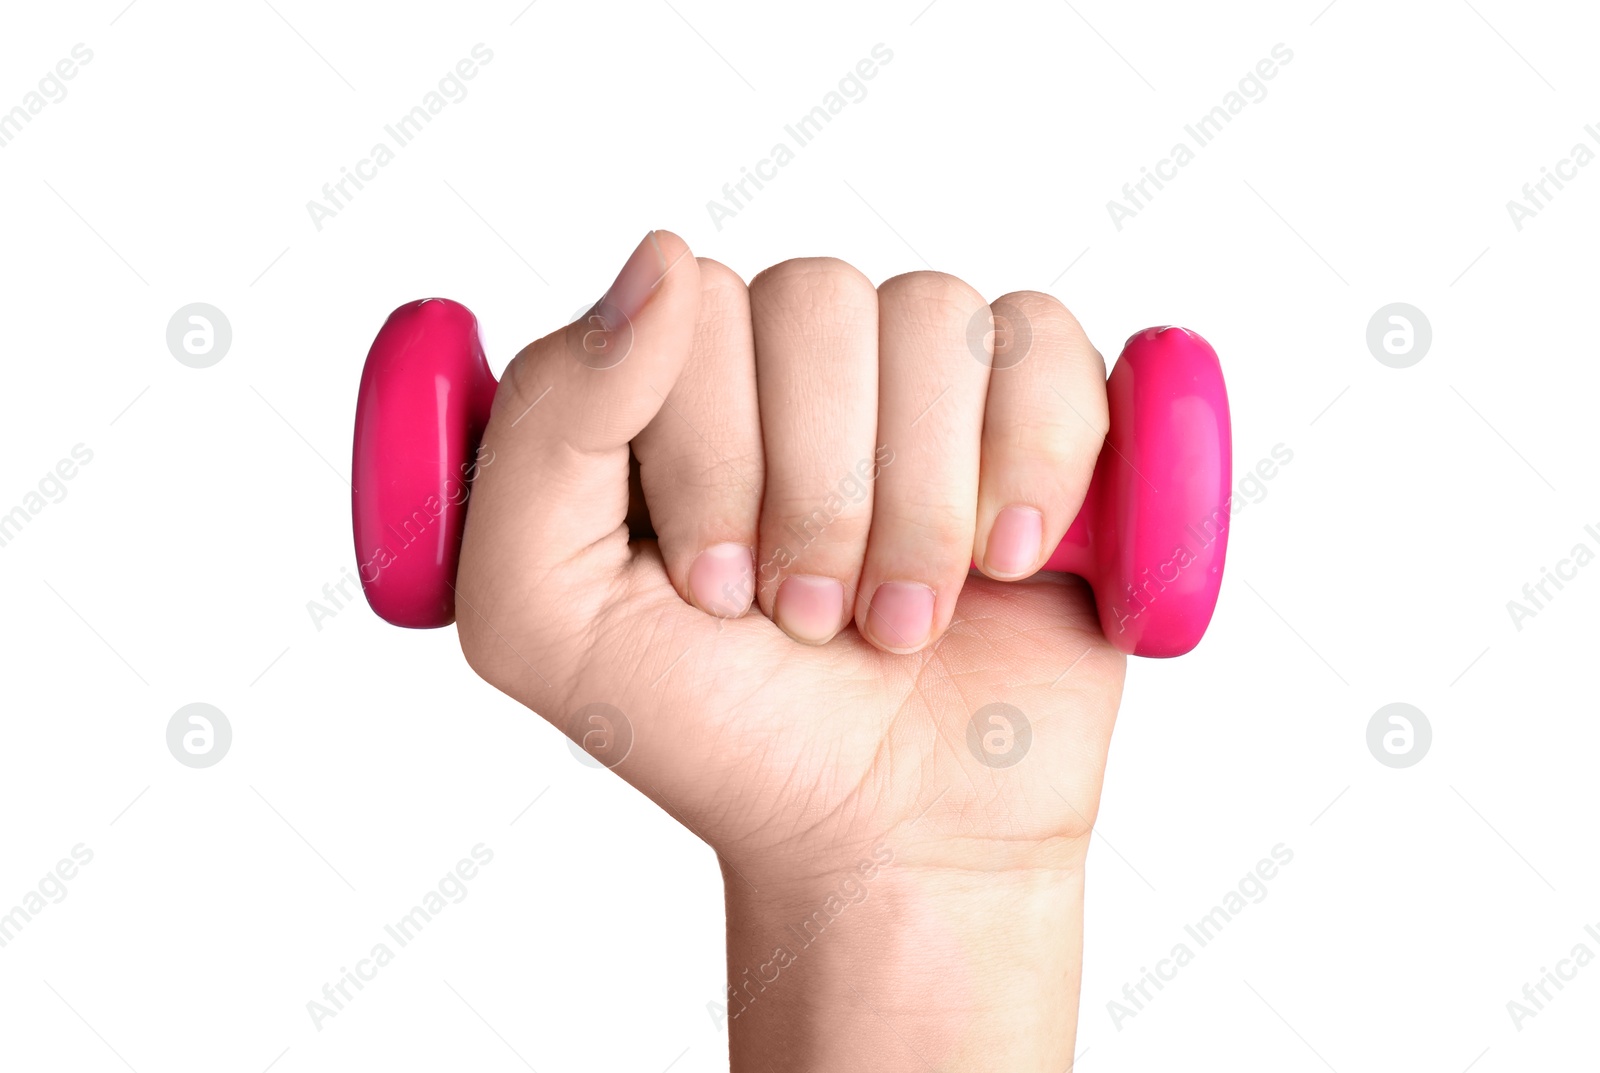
[(797, 647)]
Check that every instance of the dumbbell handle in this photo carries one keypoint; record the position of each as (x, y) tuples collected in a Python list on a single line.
[(1150, 539)]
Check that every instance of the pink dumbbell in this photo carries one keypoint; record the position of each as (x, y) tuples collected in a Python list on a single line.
[(1151, 537)]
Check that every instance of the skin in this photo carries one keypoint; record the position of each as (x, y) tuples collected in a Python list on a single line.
[(833, 776)]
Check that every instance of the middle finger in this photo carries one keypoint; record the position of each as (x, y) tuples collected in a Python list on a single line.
[(934, 351)]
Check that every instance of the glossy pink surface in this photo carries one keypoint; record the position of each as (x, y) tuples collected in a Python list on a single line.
[(423, 404), (1153, 532), (1151, 537)]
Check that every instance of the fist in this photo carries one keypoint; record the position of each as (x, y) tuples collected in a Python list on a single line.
[(747, 517)]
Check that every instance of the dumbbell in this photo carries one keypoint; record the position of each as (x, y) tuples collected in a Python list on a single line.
[(1150, 539)]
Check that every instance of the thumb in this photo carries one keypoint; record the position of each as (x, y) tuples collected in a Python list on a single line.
[(552, 489)]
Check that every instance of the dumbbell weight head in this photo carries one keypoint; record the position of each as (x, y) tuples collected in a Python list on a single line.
[(423, 404), (1150, 539), (1152, 534)]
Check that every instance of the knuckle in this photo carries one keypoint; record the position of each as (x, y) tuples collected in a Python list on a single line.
[(727, 469), (1037, 323), (834, 517), (840, 512), (1062, 437), (1073, 449), (823, 278), (1035, 305), (932, 295), (938, 529), (724, 321), (1044, 429), (1049, 329), (721, 287)]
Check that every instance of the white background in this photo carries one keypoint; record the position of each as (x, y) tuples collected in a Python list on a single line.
[(367, 760)]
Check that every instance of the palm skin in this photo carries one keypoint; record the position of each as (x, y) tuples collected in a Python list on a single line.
[(778, 754)]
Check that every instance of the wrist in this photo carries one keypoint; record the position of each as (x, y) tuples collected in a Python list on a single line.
[(904, 960)]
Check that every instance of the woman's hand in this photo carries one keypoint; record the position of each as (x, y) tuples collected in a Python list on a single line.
[(898, 761)]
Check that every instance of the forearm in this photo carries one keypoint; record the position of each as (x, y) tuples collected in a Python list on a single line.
[(904, 968)]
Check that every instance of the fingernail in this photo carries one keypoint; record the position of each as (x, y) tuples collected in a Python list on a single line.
[(722, 580), (1014, 542), (809, 608), (638, 279), (900, 616)]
